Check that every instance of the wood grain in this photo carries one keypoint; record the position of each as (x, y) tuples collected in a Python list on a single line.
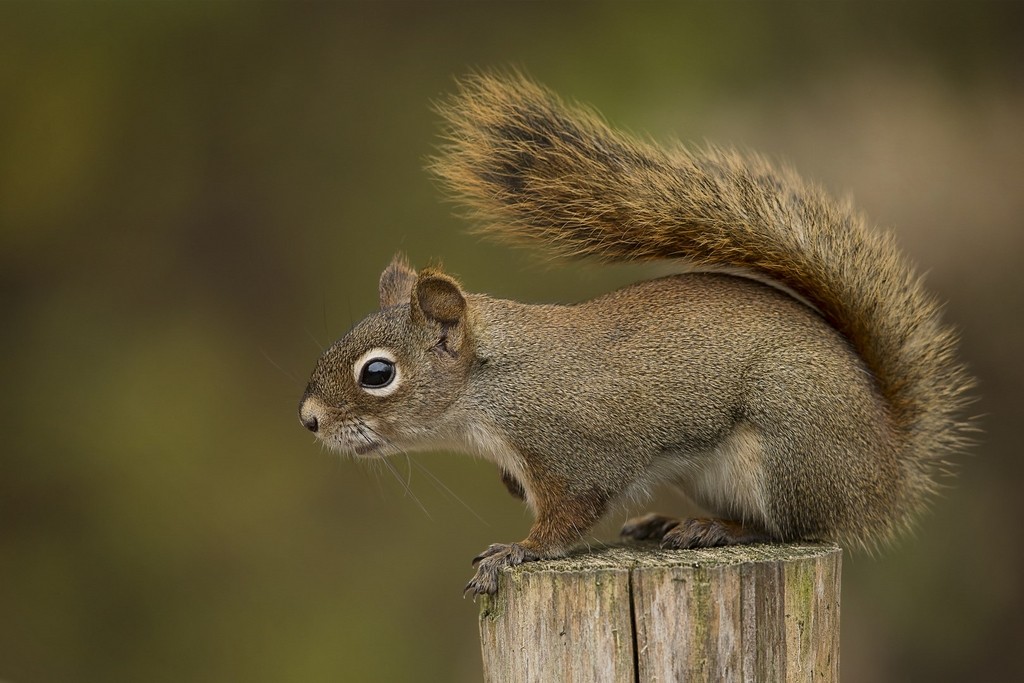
[(639, 613)]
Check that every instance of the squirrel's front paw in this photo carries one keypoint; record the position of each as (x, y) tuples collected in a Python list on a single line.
[(490, 562)]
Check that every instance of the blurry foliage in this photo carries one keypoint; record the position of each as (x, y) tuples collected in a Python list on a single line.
[(195, 195)]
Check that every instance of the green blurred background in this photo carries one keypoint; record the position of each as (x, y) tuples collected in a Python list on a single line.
[(195, 197)]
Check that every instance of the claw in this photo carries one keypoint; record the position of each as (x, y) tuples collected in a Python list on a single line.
[(709, 533), (479, 587), (650, 527), (490, 562), (492, 549)]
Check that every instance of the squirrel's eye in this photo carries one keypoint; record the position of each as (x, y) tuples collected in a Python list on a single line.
[(377, 373)]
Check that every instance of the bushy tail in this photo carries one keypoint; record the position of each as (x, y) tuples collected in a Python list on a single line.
[(533, 169)]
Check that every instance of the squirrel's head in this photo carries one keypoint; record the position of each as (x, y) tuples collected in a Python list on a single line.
[(388, 384)]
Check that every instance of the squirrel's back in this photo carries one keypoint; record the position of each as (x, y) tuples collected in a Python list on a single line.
[(533, 169)]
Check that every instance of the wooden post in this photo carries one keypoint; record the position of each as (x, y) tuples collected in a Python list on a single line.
[(638, 613)]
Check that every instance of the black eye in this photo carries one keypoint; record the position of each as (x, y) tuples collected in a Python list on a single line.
[(377, 373)]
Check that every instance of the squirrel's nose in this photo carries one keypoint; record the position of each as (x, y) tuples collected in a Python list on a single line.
[(307, 416)]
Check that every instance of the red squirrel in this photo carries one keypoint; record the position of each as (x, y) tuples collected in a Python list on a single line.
[(803, 387)]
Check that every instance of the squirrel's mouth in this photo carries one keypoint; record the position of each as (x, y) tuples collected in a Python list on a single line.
[(352, 440), (366, 448), (353, 436)]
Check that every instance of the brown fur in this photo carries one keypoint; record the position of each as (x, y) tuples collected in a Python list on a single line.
[(787, 421)]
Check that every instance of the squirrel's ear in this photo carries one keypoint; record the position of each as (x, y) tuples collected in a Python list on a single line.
[(438, 298), (396, 282)]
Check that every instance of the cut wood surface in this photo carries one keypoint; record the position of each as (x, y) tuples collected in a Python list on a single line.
[(639, 613)]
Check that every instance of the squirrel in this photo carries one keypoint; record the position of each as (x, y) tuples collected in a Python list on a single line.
[(797, 381)]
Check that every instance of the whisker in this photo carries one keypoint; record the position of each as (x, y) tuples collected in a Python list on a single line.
[(408, 469), (283, 371), (362, 428), (323, 310), (583, 536), (315, 340), (440, 486), (375, 467), (398, 476)]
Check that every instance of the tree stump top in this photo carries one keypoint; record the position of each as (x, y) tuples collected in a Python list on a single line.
[(626, 556), (637, 612)]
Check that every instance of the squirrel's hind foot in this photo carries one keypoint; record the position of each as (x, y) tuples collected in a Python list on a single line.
[(649, 527), (491, 561), (691, 533)]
